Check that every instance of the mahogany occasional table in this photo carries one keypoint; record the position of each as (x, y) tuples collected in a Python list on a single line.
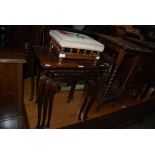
[(52, 73)]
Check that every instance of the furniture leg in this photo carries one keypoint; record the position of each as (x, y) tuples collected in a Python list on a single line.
[(85, 89), (147, 86), (106, 87), (92, 99), (50, 107), (84, 104), (111, 81), (53, 89), (129, 78), (37, 83), (32, 78), (41, 93), (46, 100), (86, 99), (72, 90), (31, 68)]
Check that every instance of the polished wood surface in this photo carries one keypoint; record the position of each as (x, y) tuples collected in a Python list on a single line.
[(124, 43), (13, 123), (143, 43), (8, 92), (12, 55), (53, 73), (50, 60), (11, 82)]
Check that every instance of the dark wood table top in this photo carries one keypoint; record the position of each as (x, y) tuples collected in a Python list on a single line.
[(49, 60), (124, 43), (148, 44), (12, 55)]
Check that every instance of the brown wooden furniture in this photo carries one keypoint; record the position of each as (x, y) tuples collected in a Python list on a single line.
[(122, 49), (11, 83), (147, 75), (52, 73), (72, 45), (122, 116)]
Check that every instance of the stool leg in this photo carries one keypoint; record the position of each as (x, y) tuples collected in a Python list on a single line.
[(93, 94), (85, 89), (41, 94), (71, 92), (88, 106), (84, 104)]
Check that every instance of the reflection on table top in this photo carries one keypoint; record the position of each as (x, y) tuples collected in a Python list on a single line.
[(49, 60)]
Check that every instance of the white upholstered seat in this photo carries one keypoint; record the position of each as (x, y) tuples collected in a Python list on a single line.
[(75, 40)]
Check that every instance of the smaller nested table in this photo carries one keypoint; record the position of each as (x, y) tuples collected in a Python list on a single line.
[(52, 73)]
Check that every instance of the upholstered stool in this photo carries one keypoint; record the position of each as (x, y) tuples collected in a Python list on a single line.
[(75, 46), (72, 45)]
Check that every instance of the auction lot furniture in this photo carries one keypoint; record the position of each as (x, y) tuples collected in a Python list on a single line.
[(75, 46), (11, 84), (52, 73), (72, 57), (123, 50), (147, 76), (142, 75), (111, 116)]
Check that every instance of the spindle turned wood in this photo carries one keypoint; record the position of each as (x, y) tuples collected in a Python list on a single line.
[(122, 48), (74, 53)]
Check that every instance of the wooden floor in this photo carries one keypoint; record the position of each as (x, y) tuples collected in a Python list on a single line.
[(66, 113), (13, 123)]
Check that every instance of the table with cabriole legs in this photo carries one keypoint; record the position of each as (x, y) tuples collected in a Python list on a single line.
[(52, 73)]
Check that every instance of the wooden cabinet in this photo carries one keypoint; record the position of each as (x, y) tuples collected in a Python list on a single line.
[(11, 83), (33, 34)]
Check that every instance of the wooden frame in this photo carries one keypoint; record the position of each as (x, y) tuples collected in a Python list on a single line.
[(74, 53)]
